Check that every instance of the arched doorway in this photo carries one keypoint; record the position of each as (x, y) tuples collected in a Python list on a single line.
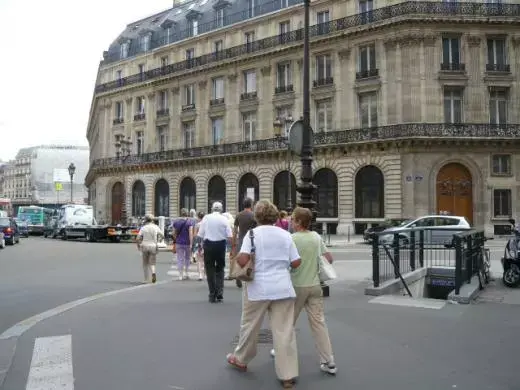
[(162, 198), (455, 191), (216, 191), (188, 194), (281, 190), (370, 193), (138, 199), (248, 186), (326, 194), (118, 200)]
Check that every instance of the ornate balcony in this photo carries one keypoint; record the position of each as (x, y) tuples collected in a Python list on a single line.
[(139, 117), (453, 67), (409, 131), (163, 112), (284, 89), (216, 102), (367, 73), (502, 68), (188, 107), (248, 95), (118, 121), (419, 10), (323, 82)]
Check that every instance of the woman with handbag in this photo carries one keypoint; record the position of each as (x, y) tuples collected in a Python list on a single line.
[(182, 242), (268, 252), (306, 282)]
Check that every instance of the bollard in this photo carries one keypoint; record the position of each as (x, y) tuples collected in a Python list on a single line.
[(348, 233), (325, 288)]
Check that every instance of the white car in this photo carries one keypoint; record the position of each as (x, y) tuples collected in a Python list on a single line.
[(2, 240), (442, 229)]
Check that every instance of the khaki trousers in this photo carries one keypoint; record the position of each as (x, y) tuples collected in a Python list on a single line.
[(149, 258), (281, 315), (311, 299)]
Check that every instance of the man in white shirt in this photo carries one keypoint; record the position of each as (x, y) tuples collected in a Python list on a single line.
[(147, 240), (215, 232)]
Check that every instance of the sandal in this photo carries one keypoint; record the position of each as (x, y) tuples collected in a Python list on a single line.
[(232, 361)]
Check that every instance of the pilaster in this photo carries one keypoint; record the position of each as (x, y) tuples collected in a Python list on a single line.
[(265, 114), (476, 105), (150, 135), (175, 123), (202, 122), (344, 77), (233, 118)]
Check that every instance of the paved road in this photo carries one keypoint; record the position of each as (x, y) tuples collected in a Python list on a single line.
[(169, 337)]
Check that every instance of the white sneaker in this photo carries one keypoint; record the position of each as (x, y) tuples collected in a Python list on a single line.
[(272, 353), (329, 368), (181, 275)]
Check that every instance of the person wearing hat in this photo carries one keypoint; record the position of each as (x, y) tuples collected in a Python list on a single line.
[(148, 239), (215, 233)]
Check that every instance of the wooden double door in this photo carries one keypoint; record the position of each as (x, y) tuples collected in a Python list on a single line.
[(118, 199), (455, 191)]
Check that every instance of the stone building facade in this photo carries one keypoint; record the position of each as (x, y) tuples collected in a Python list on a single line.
[(415, 108)]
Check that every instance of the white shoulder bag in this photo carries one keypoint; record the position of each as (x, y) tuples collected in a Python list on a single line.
[(326, 271)]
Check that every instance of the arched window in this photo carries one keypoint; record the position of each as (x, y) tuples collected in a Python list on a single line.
[(281, 190), (216, 191), (370, 193), (248, 186), (188, 194), (326, 194), (138, 199), (162, 198)]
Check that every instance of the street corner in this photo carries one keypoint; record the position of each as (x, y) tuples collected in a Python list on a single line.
[(7, 353)]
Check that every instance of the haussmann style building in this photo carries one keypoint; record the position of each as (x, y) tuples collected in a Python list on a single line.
[(415, 107)]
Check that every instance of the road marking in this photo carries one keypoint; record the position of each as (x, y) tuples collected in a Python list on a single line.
[(51, 365), (397, 300), (23, 326)]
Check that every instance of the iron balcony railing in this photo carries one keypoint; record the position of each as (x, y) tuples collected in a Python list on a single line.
[(453, 67), (284, 89), (216, 102), (163, 112), (408, 8), (367, 73), (343, 137), (323, 82), (505, 68)]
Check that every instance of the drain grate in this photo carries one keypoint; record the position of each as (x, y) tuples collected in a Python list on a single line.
[(265, 337)]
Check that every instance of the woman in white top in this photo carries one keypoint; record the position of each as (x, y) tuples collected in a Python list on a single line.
[(271, 292)]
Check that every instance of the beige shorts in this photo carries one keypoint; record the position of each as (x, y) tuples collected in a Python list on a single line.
[(149, 255)]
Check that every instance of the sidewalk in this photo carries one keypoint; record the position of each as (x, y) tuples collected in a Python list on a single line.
[(169, 337)]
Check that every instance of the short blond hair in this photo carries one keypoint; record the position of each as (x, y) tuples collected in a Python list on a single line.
[(283, 214), (302, 217), (266, 212)]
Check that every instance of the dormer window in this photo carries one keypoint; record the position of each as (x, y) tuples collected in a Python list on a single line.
[(125, 46), (193, 23), (220, 13), (168, 27), (145, 40)]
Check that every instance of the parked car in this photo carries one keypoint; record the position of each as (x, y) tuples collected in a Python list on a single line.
[(371, 232), (2, 240), (10, 230), (23, 227), (443, 229), (51, 228)]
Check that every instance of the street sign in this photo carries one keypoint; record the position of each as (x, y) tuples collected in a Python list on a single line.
[(58, 186), (296, 135)]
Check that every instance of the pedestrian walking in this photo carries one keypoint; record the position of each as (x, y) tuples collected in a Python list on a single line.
[(183, 239), (282, 221), (148, 239), (197, 250), (244, 222), (271, 292), (306, 282), (215, 233)]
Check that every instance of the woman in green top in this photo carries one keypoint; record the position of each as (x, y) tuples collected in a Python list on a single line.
[(306, 283)]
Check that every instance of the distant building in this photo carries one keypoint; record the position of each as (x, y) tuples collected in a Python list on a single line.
[(3, 168), (29, 178)]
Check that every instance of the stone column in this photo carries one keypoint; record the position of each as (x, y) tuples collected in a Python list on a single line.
[(514, 93), (150, 135), (345, 76), (175, 124), (389, 85), (106, 134), (129, 116), (382, 115), (475, 96), (265, 115), (232, 120), (297, 80), (432, 95), (201, 123), (398, 83)]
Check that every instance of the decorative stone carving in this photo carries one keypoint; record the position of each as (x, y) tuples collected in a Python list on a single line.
[(175, 90), (344, 53), (232, 77), (266, 70), (129, 100), (203, 84), (473, 40), (515, 39), (411, 39), (150, 96), (430, 39)]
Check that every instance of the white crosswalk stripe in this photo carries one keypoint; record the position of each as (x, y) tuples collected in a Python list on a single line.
[(51, 365)]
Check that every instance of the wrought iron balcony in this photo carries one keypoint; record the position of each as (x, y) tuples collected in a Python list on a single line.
[(504, 68), (420, 10), (139, 117), (284, 89), (118, 121), (188, 107), (248, 95), (323, 82), (453, 67), (367, 73), (216, 102), (343, 137), (163, 112)]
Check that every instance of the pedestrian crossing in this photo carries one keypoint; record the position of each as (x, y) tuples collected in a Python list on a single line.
[(51, 364)]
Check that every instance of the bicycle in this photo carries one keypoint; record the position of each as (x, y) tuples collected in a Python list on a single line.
[(484, 266)]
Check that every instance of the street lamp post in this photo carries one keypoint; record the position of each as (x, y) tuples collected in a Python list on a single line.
[(72, 170), (278, 125)]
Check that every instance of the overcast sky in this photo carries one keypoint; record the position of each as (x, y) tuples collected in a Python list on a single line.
[(50, 53)]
